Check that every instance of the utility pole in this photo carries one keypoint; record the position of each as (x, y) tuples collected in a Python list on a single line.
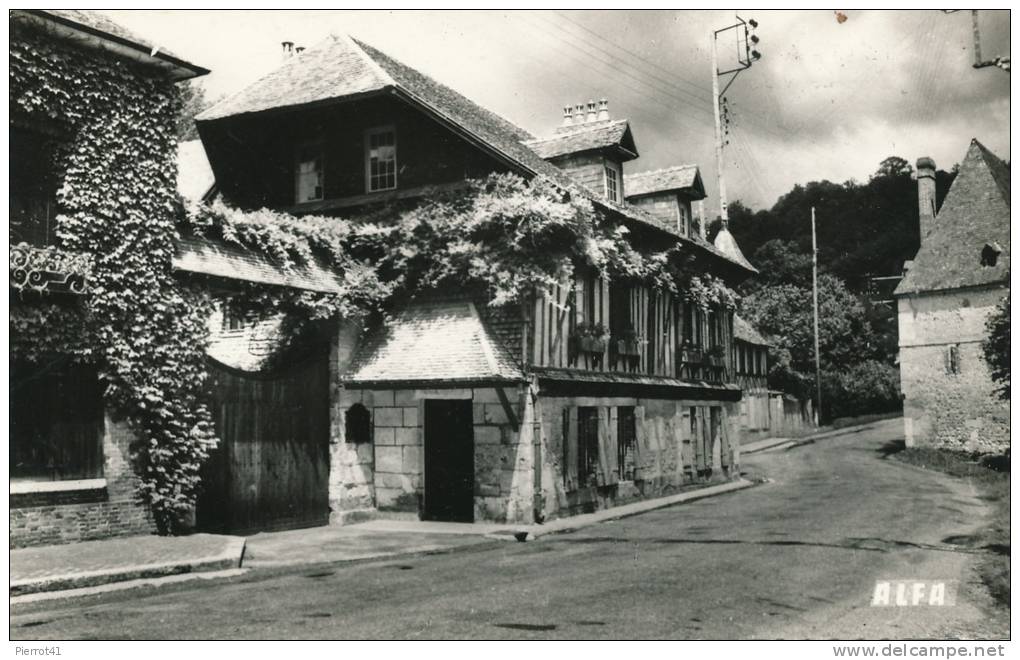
[(814, 292), (746, 56)]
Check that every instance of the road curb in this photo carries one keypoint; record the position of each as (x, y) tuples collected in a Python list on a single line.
[(560, 525), (229, 558)]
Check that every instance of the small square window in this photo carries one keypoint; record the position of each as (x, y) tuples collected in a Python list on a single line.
[(308, 173), (381, 159)]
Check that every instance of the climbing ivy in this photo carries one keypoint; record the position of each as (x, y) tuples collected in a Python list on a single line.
[(145, 331), (148, 331)]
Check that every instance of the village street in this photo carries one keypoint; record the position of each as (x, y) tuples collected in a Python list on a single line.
[(793, 558)]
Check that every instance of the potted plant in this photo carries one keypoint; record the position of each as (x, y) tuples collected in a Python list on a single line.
[(628, 343), (691, 354), (591, 338), (716, 355)]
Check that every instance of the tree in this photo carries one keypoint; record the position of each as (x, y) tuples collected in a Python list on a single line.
[(193, 102), (780, 262), (996, 347), (893, 166), (784, 313)]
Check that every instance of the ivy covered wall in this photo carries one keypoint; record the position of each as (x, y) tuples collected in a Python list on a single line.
[(117, 196)]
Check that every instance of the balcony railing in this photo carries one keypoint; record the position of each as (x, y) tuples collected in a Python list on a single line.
[(48, 269)]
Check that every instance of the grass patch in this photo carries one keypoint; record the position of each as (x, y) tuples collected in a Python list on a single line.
[(991, 476)]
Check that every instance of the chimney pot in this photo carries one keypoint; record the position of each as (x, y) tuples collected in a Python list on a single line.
[(568, 118), (603, 110), (591, 112), (288, 49), (579, 113), (299, 49), (926, 195)]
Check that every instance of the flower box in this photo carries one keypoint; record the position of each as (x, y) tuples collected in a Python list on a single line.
[(591, 344), (630, 347)]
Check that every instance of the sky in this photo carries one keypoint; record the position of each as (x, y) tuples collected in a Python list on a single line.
[(828, 99)]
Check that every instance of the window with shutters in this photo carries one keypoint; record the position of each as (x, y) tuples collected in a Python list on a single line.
[(626, 441), (587, 445)]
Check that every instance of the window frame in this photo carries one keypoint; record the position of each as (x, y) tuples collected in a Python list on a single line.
[(608, 167), (369, 133), (299, 151)]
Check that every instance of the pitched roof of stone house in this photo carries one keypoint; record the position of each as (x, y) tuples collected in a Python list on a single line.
[(975, 213), (341, 68), (204, 256), (592, 136), (679, 178), (435, 341), (745, 332), (86, 27)]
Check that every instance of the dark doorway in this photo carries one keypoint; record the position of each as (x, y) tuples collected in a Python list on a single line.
[(271, 469), (449, 461)]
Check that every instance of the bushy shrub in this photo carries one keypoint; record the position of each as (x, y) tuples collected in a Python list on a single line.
[(864, 388)]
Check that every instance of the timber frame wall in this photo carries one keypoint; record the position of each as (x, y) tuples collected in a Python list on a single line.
[(672, 338)]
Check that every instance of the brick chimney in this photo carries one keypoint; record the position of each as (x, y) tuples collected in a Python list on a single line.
[(288, 49), (592, 114), (603, 110), (926, 195)]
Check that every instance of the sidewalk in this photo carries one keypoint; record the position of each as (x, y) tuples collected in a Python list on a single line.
[(785, 443), (93, 563)]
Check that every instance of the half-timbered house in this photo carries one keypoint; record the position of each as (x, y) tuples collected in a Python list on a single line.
[(581, 396)]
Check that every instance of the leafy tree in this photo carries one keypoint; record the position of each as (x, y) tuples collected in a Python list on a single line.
[(783, 312), (780, 262), (996, 347), (193, 102), (893, 166)]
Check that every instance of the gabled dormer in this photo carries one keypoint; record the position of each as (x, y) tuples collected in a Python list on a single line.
[(591, 147), (667, 194)]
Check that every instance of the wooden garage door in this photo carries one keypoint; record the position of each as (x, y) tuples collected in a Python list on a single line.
[(271, 470)]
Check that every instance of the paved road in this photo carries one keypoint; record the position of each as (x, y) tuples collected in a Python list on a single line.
[(794, 558)]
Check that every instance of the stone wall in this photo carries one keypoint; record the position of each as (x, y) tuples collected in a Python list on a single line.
[(46, 517), (387, 473), (952, 410), (666, 460)]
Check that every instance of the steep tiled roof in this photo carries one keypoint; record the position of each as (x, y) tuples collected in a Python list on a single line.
[(99, 25), (975, 213), (679, 178), (204, 256), (586, 137), (432, 342), (343, 67), (194, 175), (744, 331)]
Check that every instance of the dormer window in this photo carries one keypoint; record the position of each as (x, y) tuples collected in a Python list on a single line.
[(682, 220), (308, 173), (613, 181), (381, 159)]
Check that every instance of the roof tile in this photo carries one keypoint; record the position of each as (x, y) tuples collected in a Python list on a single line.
[(433, 341), (974, 212)]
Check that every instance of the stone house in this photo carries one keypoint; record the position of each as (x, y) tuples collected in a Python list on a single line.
[(456, 409), (71, 477), (959, 275)]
